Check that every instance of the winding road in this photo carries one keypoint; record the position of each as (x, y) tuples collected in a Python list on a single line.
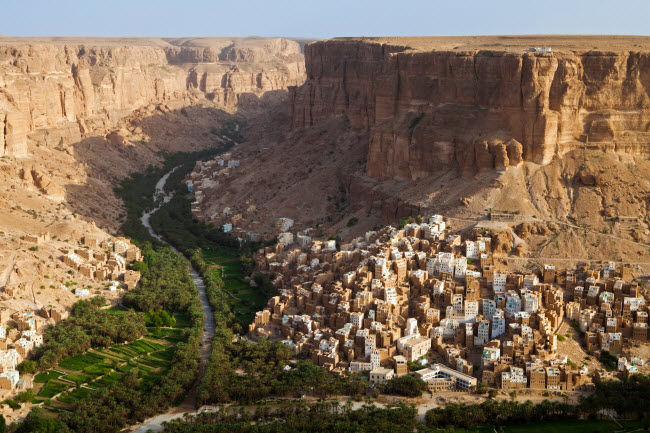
[(155, 423)]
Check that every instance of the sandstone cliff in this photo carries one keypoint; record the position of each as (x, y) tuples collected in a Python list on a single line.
[(429, 108), (68, 89)]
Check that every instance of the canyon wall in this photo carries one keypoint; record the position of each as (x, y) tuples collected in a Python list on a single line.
[(475, 109), (68, 89)]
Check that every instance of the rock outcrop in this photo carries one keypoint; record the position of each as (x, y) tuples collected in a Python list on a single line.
[(429, 109), (72, 88)]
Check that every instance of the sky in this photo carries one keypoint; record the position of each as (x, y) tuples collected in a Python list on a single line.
[(321, 19)]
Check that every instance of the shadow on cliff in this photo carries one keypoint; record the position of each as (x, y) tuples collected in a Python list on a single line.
[(102, 161)]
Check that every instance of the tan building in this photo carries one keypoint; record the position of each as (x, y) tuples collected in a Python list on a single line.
[(381, 374), (414, 348)]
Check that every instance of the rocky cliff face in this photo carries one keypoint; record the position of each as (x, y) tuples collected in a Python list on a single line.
[(476, 109), (66, 90)]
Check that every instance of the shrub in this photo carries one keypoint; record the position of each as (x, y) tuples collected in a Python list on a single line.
[(25, 396), (608, 360), (27, 366), (407, 385), (414, 366), (405, 220), (160, 318), (481, 388), (11, 403)]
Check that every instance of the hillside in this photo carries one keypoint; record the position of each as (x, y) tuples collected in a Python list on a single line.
[(77, 116), (464, 126)]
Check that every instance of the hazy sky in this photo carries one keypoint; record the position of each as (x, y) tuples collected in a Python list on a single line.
[(321, 19)]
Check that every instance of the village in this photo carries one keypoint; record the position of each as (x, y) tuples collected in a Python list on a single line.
[(427, 301), (422, 299), (73, 269)]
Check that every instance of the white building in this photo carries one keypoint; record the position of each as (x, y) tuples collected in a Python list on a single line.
[(531, 303), (460, 268), (513, 303), (498, 323), (634, 303), (432, 267), (381, 374), (283, 224), (285, 239), (411, 327), (490, 355), (499, 282), (438, 287), (445, 262), (471, 309), (489, 307), (464, 382), (457, 304), (483, 333), (356, 319), (370, 342), (471, 250), (530, 281), (375, 359)]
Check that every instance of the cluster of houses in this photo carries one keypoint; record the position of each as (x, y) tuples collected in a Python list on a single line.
[(19, 339), (421, 299), (104, 260), (608, 306), (21, 332), (209, 175), (242, 223)]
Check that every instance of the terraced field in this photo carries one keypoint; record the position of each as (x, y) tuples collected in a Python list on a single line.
[(74, 378)]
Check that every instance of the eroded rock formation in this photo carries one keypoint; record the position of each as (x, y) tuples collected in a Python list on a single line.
[(427, 109), (71, 88)]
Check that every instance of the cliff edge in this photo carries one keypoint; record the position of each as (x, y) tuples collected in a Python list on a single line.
[(73, 87), (479, 103)]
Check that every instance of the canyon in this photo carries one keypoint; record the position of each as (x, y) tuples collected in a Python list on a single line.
[(385, 128), (343, 136), (359, 129), (80, 115), (66, 89)]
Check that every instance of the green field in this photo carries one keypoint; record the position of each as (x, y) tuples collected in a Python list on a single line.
[(79, 362), (245, 301), (46, 376), (77, 394), (77, 376), (173, 335), (52, 388)]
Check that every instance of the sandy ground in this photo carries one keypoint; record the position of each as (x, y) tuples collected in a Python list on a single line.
[(562, 43)]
